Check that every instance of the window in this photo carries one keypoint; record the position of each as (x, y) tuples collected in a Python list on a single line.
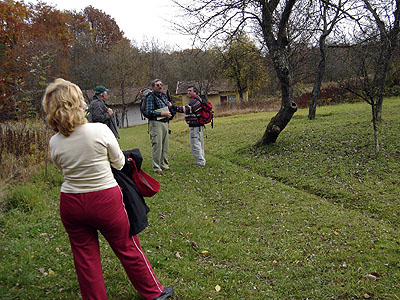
[(232, 99)]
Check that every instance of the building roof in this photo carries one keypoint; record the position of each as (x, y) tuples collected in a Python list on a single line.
[(115, 96), (215, 87)]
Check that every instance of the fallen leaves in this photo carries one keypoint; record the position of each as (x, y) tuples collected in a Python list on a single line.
[(49, 272), (372, 276), (195, 246)]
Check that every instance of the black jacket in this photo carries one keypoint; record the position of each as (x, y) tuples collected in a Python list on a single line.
[(99, 113), (135, 205)]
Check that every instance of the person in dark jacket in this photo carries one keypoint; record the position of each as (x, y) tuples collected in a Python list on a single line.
[(91, 200), (99, 110), (192, 115)]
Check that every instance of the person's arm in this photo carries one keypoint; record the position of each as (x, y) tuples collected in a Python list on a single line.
[(52, 156), (151, 108), (115, 155), (192, 108), (99, 112), (178, 108)]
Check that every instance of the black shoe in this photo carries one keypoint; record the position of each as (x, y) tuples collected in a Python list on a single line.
[(167, 292)]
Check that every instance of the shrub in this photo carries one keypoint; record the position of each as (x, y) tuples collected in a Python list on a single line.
[(251, 106), (23, 197), (330, 94), (22, 145), (303, 100), (392, 91)]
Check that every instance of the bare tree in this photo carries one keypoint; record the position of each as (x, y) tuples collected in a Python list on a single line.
[(124, 61), (361, 84), (388, 40), (201, 67), (219, 18), (156, 55), (376, 25), (376, 38), (330, 15)]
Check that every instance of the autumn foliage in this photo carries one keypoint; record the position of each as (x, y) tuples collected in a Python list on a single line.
[(38, 43)]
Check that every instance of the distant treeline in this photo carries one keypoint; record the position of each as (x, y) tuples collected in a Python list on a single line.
[(39, 43)]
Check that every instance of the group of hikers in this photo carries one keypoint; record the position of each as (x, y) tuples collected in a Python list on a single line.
[(159, 110), (90, 198)]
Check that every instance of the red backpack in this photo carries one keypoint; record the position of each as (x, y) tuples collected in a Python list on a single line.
[(206, 114)]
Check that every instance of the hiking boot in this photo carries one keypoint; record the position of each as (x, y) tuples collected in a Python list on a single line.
[(167, 292)]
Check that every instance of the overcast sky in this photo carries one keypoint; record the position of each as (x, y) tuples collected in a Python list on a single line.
[(139, 19)]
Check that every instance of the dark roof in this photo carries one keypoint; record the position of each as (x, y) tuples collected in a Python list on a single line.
[(115, 98), (216, 87)]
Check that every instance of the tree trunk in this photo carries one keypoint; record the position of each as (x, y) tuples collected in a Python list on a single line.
[(318, 79), (288, 106), (378, 110), (123, 104), (383, 66), (380, 77), (278, 47), (239, 87), (125, 110), (241, 95), (277, 124), (316, 89), (375, 125)]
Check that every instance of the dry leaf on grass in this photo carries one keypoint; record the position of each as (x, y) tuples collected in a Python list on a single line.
[(370, 276)]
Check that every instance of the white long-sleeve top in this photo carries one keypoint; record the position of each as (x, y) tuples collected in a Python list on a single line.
[(84, 158)]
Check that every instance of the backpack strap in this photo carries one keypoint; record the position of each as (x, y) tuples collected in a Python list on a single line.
[(162, 100), (155, 104), (205, 131)]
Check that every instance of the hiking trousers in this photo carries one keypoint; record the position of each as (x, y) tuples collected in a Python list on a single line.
[(83, 214), (197, 145), (159, 145)]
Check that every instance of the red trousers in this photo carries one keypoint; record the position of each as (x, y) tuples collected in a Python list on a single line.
[(85, 213)]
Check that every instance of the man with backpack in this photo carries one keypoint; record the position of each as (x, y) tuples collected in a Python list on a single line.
[(193, 117), (157, 111), (99, 112)]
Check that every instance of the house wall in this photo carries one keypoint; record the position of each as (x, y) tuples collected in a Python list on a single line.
[(133, 114), (232, 97)]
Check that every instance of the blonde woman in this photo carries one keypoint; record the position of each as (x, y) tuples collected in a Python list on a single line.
[(90, 199)]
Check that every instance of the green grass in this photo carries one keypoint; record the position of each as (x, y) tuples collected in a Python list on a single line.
[(305, 218)]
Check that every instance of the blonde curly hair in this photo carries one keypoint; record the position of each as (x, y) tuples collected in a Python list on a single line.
[(64, 106)]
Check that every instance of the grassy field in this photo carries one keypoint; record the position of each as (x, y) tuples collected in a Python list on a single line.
[(314, 216)]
